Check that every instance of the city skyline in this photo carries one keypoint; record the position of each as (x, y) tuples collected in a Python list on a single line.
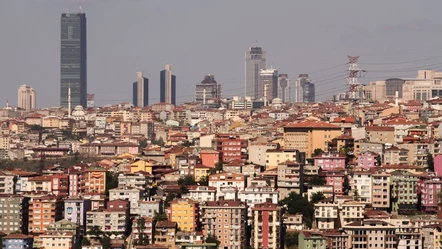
[(375, 41)]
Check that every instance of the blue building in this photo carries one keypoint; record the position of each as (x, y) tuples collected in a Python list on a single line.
[(18, 241)]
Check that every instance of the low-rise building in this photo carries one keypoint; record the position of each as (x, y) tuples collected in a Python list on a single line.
[(165, 234), (18, 241), (371, 234)]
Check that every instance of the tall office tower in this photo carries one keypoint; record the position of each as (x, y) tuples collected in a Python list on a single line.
[(305, 90), (141, 91), (255, 62), (284, 87), (167, 86), (268, 77), (26, 97), (73, 67), (208, 91)]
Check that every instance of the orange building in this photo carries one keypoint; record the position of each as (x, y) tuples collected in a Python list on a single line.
[(43, 211), (94, 180), (209, 158)]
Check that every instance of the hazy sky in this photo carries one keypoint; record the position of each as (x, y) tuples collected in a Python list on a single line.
[(211, 36)]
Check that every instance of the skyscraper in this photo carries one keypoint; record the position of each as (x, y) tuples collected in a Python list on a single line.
[(26, 97), (141, 91), (208, 91), (284, 87), (167, 86), (268, 79), (305, 90), (255, 62), (73, 59)]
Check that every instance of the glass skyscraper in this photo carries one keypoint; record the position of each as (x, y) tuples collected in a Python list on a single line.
[(73, 68)]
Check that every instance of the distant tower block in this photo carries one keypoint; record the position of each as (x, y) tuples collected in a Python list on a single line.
[(353, 77), (90, 100)]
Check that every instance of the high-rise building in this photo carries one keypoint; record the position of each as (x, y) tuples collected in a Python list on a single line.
[(26, 97), (141, 91), (266, 225), (73, 68), (167, 86), (208, 91), (255, 62), (268, 84), (305, 90), (284, 87)]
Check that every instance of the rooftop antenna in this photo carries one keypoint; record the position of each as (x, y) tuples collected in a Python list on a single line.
[(79, 2)]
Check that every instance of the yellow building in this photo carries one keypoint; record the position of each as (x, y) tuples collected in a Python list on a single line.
[(141, 165), (50, 122), (310, 135), (94, 180), (185, 213), (277, 156), (201, 171)]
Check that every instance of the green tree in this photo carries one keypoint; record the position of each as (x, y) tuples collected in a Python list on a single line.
[(317, 152), (142, 144), (106, 242), (430, 162), (346, 185), (85, 242), (143, 238), (356, 195), (161, 142), (170, 198), (219, 166), (159, 217), (204, 181), (317, 197), (95, 232), (317, 180), (111, 182), (295, 203), (186, 180), (213, 239), (291, 239)]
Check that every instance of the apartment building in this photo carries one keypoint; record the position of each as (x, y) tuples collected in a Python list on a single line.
[(254, 194), (290, 178), (231, 149), (200, 193), (417, 152), (75, 210), (330, 161), (335, 178), (361, 184), (185, 212), (312, 239), (307, 136), (113, 219), (404, 198), (368, 159), (380, 134), (149, 208), (14, 213), (140, 180), (429, 186), (226, 220), (351, 211), (57, 240), (143, 225), (277, 156), (395, 155), (221, 180), (293, 222), (371, 234), (380, 189), (43, 211), (326, 215), (18, 241), (266, 225), (133, 195), (93, 180), (6, 182), (165, 234)]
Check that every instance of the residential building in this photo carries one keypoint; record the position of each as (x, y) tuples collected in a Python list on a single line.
[(146, 229), (380, 190), (326, 215), (371, 234), (351, 211), (330, 161), (293, 222), (312, 239), (368, 159), (15, 213), (276, 156), (133, 195), (255, 61), (200, 193), (429, 187), (94, 180), (149, 208), (361, 186), (26, 98), (255, 194), (140, 90), (140, 180), (167, 86), (185, 212), (266, 225), (227, 180), (209, 158), (75, 210), (226, 220), (380, 134), (307, 136), (6, 182), (19, 241), (113, 219), (268, 84), (404, 197), (165, 234), (57, 240), (304, 89), (231, 149), (290, 178), (73, 65), (335, 178), (395, 155), (43, 211)]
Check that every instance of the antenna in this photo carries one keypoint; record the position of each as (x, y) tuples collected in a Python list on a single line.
[(80, 2)]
